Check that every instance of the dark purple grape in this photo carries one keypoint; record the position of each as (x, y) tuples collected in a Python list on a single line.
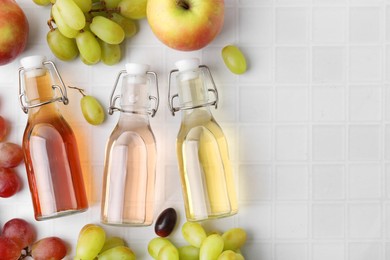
[(165, 222)]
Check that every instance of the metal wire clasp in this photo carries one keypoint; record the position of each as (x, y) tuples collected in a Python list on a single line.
[(214, 90), (114, 98), (61, 88)]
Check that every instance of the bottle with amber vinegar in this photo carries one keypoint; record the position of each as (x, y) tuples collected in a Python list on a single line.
[(202, 150), (49, 144), (130, 163)]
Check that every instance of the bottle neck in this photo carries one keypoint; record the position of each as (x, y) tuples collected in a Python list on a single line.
[(38, 88), (134, 99)]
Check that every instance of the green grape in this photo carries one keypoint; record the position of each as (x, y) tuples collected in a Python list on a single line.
[(98, 9), (239, 256), (42, 2), (112, 3), (112, 242), (62, 47), (211, 247), (193, 233), (133, 9), (118, 252), (84, 5), (129, 26), (90, 242), (228, 255), (156, 244), (71, 13), (89, 47), (168, 252), (107, 30), (111, 53), (234, 238), (188, 253), (92, 110), (53, 1), (61, 25), (86, 62), (234, 59)]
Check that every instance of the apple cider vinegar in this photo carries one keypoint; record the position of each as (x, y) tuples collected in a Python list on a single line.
[(50, 149), (202, 151)]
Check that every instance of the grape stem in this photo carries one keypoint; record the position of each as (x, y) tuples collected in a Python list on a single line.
[(108, 10), (50, 23), (82, 91)]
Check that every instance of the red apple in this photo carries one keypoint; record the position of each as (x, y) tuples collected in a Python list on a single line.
[(13, 31), (185, 25)]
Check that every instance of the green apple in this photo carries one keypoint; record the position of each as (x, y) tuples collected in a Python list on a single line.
[(185, 25)]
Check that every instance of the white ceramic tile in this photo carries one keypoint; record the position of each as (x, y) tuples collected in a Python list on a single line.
[(365, 63), (259, 67), (291, 25), (365, 24), (365, 181), (291, 251), (291, 220), (387, 215), (255, 182), (255, 144), (328, 143), (387, 26), (291, 182), (325, 251), (329, 24), (364, 142), (291, 103), (291, 143), (387, 142), (328, 103), (328, 64), (365, 103), (291, 65), (328, 182), (257, 216), (255, 25), (364, 220), (362, 251), (328, 221), (257, 109)]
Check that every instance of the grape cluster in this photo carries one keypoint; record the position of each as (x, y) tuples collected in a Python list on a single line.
[(11, 155), (92, 29), (93, 244), (201, 245), (18, 240)]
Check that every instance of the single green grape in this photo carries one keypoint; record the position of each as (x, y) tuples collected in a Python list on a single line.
[(118, 252), (89, 47), (111, 3), (84, 5), (133, 9), (112, 242), (92, 110), (156, 244), (90, 242), (188, 253), (211, 247), (168, 252), (71, 13), (62, 47), (61, 25), (111, 53), (42, 2), (227, 255), (129, 26), (193, 233), (107, 30), (234, 59), (234, 238)]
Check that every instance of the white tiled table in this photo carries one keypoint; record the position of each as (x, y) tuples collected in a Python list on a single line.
[(308, 127)]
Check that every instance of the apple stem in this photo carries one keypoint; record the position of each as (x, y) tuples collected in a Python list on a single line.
[(183, 4)]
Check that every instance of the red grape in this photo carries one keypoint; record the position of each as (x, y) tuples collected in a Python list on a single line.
[(165, 222), (9, 249), (10, 155), (9, 182), (3, 128), (19, 230), (52, 248)]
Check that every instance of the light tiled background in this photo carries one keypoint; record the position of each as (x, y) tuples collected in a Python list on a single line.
[(308, 128)]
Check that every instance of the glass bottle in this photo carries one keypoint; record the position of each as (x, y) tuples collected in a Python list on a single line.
[(130, 160), (202, 150), (49, 145)]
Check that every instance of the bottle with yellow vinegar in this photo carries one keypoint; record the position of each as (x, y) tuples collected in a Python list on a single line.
[(130, 163), (202, 151), (49, 145)]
